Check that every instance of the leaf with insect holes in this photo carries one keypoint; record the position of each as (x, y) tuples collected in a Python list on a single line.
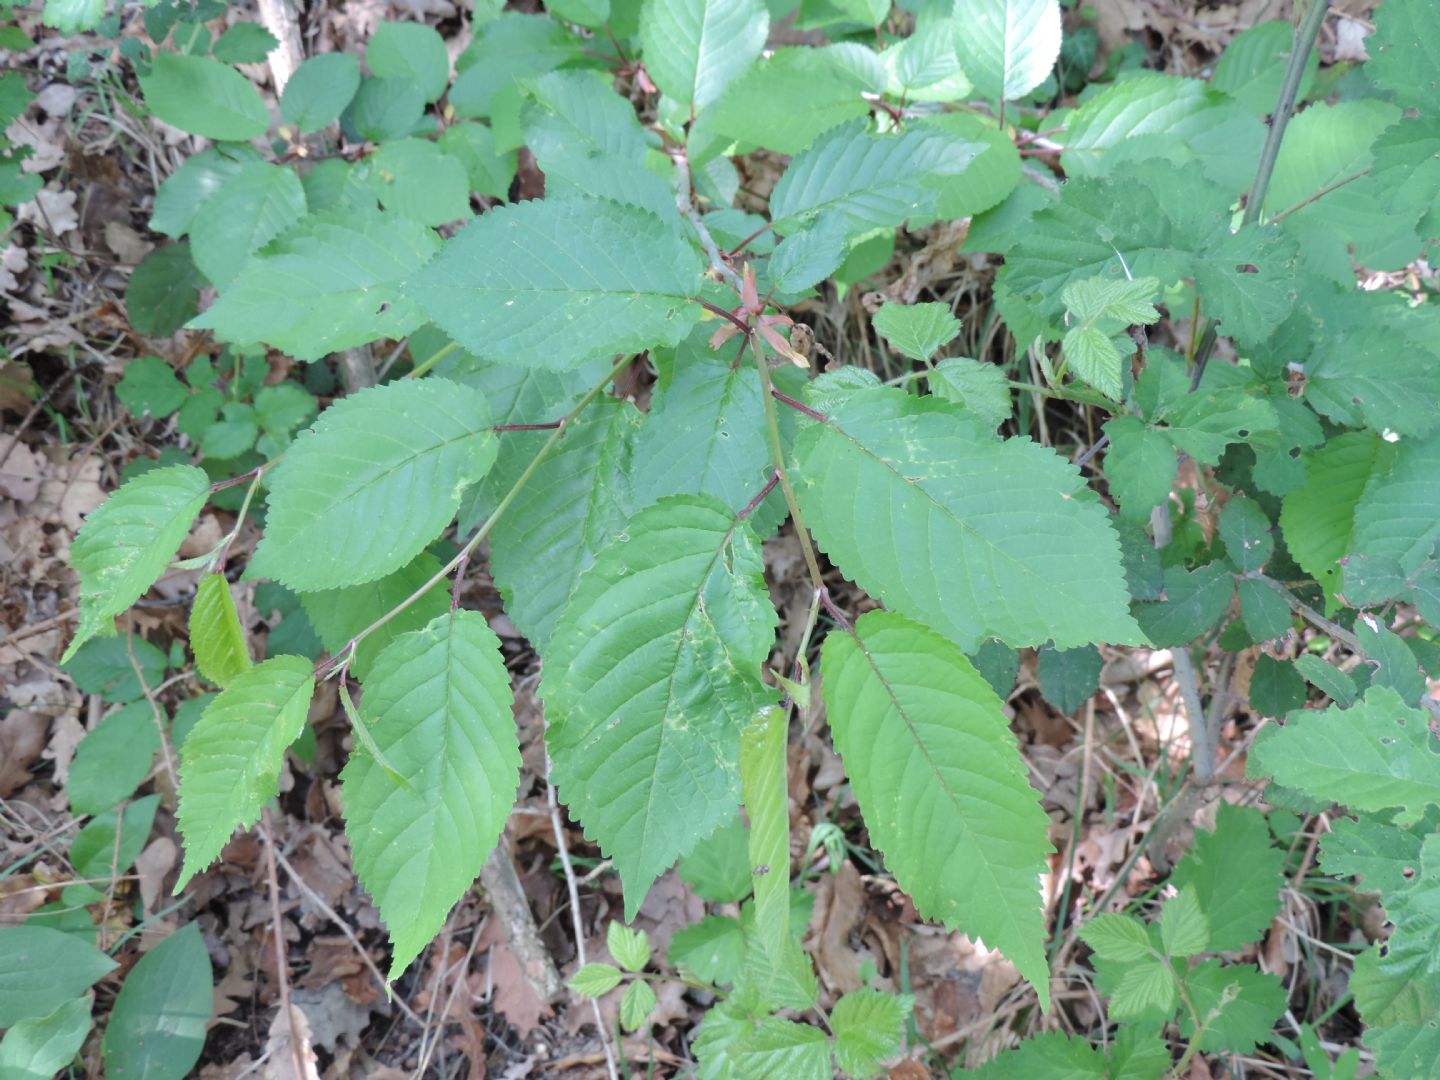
[(230, 762), (934, 766), (439, 707), (653, 670), (377, 477), (972, 536), (216, 637), (128, 540)]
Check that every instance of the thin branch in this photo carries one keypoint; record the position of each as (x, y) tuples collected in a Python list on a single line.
[(433, 359), (282, 963), (734, 320), (777, 451), (750, 507), (798, 406), (687, 207), (1326, 190)]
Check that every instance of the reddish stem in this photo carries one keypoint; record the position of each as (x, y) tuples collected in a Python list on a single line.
[(746, 242), (786, 399), (735, 320), (549, 425), (749, 507)]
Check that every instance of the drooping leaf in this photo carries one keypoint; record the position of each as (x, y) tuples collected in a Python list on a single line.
[(653, 670), (230, 763), (332, 282), (216, 637), (694, 49), (974, 537), (439, 707), (204, 97), (157, 1026), (552, 284), (42, 969), (934, 767), (127, 541), (372, 482), (1008, 46)]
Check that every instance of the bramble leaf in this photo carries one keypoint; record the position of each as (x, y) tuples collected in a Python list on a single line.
[(934, 765), (868, 1026), (1237, 874), (1122, 938), (439, 707), (1405, 53), (918, 331)]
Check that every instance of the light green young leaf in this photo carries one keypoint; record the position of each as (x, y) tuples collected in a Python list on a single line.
[(332, 282), (918, 331), (694, 49), (128, 540), (230, 763), (1127, 301), (1244, 1003), (629, 947), (779, 1047), (974, 537), (1184, 930), (319, 90), (204, 97), (1140, 465), (157, 1026), (1146, 987), (592, 980), (1122, 938), (216, 637), (653, 670), (410, 51), (40, 1047), (42, 969), (711, 950), (375, 479), (1053, 1055), (979, 387), (439, 707), (1236, 874), (867, 1026), (74, 16), (1374, 756), (553, 284), (1317, 519), (918, 729), (718, 869), (1405, 53), (1008, 46), (339, 614), (1093, 356), (636, 1005)]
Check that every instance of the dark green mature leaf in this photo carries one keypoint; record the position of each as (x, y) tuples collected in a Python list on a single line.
[(553, 284), (1008, 46), (653, 670), (819, 93), (1398, 996), (711, 950), (974, 537), (319, 91), (1069, 676), (113, 759), (244, 43), (439, 707), (506, 50), (1405, 53), (1050, 1055), (378, 476), (1317, 519), (204, 97), (1237, 874), (216, 637), (384, 109), (1141, 466), (149, 386), (230, 762), (934, 766), (339, 614), (157, 1026), (107, 667), (332, 282), (164, 291), (1252, 67), (1246, 532), (414, 177), (1244, 1003), (411, 51), (694, 49), (1276, 687), (1398, 515), (42, 968), (127, 541), (1194, 602), (1264, 611)]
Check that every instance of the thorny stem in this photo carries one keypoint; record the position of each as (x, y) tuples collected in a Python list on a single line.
[(329, 667)]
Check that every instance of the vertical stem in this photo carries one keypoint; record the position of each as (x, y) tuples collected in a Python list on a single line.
[(282, 973), (777, 451), (1182, 666)]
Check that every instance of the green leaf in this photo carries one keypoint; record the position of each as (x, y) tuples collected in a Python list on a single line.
[(1252, 68), (867, 1026), (1374, 756), (719, 867), (414, 177), (254, 206), (1398, 998), (128, 540), (1236, 874), (1052, 1055), (1184, 929), (653, 670), (636, 1005), (157, 1026), (184, 191), (400, 454), (1241, 1004), (1194, 602), (868, 181), (40, 1047), (204, 97), (1095, 359), (694, 49), (319, 91), (332, 282), (980, 387), (339, 614), (933, 763), (974, 537), (1121, 938), (473, 145), (163, 293), (1398, 514), (1263, 609), (819, 94), (74, 16), (105, 667), (216, 637), (988, 179), (782, 1048), (42, 969), (712, 950), (506, 50), (1246, 532), (808, 257), (1405, 53), (149, 386), (1008, 46), (1147, 987), (1140, 465), (244, 43), (230, 763), (1328, 679), (1068, 677), (439, 707), (1317, 519), (763, 782), (629, 947), (553, 284), (918, 331), (410, 51), (593, 980), (1394, 664), (96, 851), (113, 759), (384, 109)]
